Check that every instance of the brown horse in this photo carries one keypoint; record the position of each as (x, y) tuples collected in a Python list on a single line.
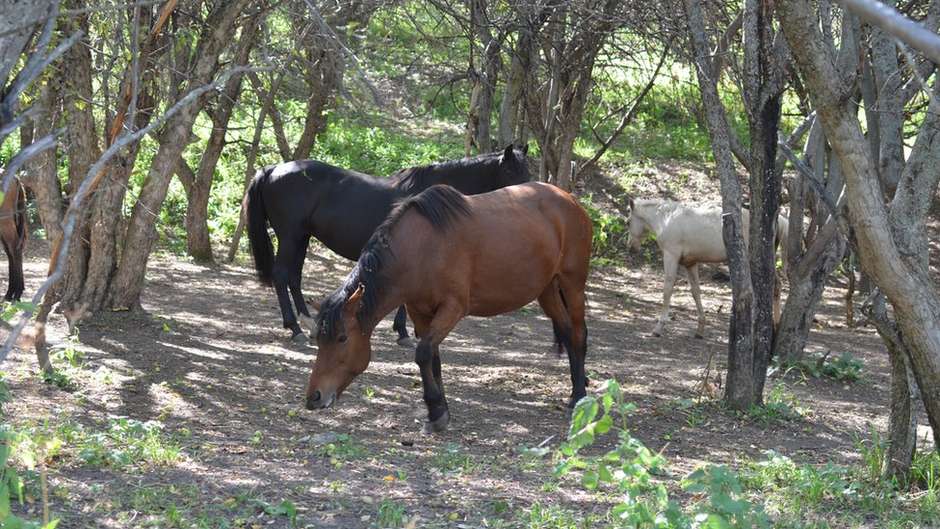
[(13, 233), (446, 255)]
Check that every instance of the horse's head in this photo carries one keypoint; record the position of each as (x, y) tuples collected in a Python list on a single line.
[(343, 353), (636, 227), (513, 166)]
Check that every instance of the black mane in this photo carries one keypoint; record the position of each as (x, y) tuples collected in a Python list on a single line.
[(441, 205), (415, 179)]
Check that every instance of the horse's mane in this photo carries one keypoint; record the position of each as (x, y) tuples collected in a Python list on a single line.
[(417, 178), (440, 205)]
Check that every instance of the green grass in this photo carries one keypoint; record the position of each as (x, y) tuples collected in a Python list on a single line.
[(780, 405), (845, 368), (390, 514), (121, 444), (452, 459)]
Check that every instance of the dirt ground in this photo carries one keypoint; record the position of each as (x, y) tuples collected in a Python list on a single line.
[(208, 357)]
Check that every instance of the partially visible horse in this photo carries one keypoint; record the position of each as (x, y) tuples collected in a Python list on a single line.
[(341, 208), (13, 230), (687, 236), (445, 256)]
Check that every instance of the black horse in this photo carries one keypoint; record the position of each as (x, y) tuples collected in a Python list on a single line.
[(342, 208)]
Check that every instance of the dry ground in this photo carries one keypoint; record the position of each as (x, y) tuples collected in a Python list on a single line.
[(208, 358)]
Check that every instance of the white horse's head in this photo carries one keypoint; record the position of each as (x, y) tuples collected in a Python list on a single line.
[(636, 226)]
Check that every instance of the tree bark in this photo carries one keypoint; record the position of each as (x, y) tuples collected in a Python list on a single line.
[(739, 392), (42, 170), (889, 251), (128, 281), (198, 242)]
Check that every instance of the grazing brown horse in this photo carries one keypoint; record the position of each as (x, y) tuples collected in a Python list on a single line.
[(13, 233), (445, 256)]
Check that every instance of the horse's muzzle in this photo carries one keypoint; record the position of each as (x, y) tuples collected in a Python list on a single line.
[(317, 401)]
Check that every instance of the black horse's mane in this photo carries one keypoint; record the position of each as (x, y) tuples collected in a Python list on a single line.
[(441, 205), (416, 178)]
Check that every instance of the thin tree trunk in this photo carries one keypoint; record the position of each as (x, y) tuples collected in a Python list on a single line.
[(739, 388), (128, 281), (198, 242)]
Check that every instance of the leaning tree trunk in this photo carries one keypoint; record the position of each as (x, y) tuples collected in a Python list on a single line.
[(128, 281), (198, 242), (891, 243), (511, 103)]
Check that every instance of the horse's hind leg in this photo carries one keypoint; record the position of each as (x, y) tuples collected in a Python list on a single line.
[(296, 276), (554, 307), (692, 272), (281, 275), (572, 289), (401, 327), (670, 267)]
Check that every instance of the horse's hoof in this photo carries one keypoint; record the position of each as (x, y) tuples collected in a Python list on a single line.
[(437, 425), (407, 341), (656, 334), (699, 336), (299, 338)]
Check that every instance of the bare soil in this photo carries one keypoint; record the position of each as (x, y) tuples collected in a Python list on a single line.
[(207, 357)]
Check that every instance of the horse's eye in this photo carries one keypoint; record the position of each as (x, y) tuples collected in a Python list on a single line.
[(342, 339)]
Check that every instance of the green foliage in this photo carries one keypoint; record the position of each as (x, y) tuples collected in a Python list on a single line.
[(124, 444), (726, 507), (828, 495), (391, 514), (845, 368), (452, 459), (780, 405), (635, 473), (343, 449), (610, 231)]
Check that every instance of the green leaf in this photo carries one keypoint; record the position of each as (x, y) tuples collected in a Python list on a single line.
[(603, 426), (590, 480)]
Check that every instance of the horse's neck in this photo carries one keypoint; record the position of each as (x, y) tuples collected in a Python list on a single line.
[(654, 215)]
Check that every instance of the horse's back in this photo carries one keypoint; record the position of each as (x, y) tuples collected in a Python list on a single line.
[(338, 206), (516, 240), (694, 234)]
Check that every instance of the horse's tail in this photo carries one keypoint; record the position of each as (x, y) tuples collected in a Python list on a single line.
[(261, 248), (22, 230)]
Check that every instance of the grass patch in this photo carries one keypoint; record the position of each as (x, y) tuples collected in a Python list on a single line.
[(390, 514), (779, 406), (452, 459), (845, 368), (341, 450), (122, 444), (802, 495)]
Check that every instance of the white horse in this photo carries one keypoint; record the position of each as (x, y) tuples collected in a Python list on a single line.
[(687, 236)]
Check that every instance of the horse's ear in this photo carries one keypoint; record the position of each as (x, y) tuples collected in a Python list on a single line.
[(525, 149), (507, 153), (352, 304)]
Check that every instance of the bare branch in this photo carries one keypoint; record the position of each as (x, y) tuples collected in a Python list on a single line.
[(88, 185), (893, 22)]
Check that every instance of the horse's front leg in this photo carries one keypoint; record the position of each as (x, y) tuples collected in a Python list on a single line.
[(670, 267), (307, 322), (427, 355)]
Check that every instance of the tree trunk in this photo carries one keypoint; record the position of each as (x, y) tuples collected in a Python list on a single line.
[(42, 170), (510, 105), (739, 392), (889, 248), (128, 281), (198, 242)]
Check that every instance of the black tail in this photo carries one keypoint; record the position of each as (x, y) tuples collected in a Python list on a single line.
[(261, 247)]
